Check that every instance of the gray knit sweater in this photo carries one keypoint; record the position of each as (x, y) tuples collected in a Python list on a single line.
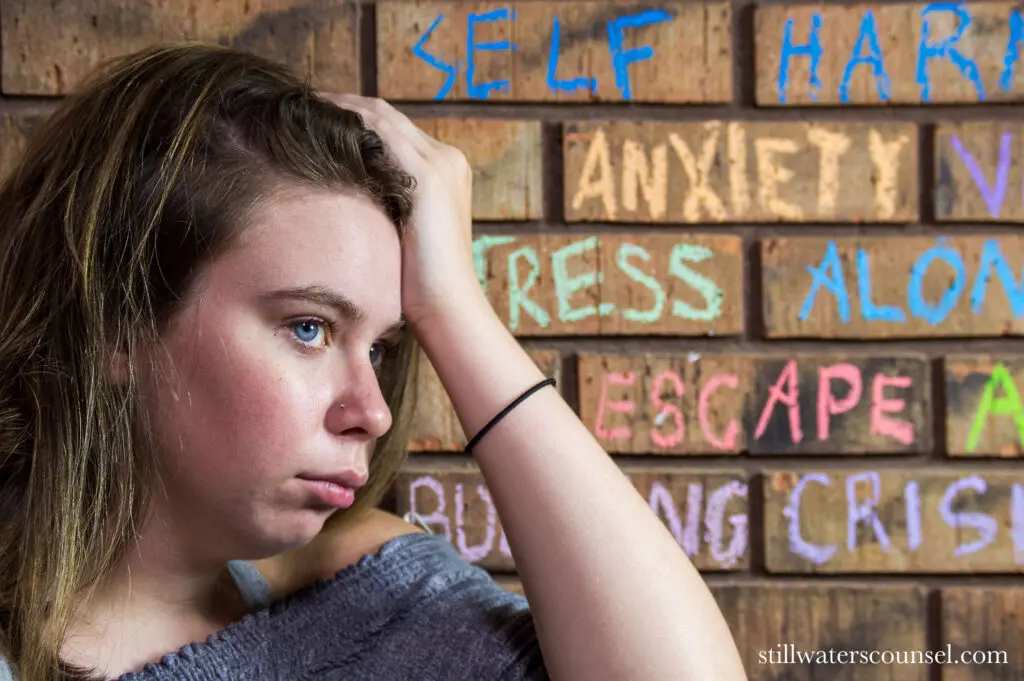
[(415, 610)]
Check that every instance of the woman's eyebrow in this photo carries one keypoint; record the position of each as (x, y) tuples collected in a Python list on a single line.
[(321, 295)]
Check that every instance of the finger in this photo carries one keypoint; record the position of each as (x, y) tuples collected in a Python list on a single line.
[(404, 149), (384, 110)]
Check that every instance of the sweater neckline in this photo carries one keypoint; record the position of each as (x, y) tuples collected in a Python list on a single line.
[(219, 639)]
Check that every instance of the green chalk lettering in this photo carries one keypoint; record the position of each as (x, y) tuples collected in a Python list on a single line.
[(480, 247), (1007, 404), (712, 294), (626, 250), (565, 285), (518, 295)]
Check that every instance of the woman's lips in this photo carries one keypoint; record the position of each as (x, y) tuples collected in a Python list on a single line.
[(330, 493)]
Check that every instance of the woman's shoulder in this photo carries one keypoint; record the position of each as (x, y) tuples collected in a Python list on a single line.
[(340, 545)]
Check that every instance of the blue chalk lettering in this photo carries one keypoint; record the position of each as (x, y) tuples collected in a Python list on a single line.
[(836, 283), (944, 49), (868, 310), (554, 83), (935, 314), (873, 57), (992, 257), (812, 49), (622, 59), (450, 69), (1012, 49), (483, 90)]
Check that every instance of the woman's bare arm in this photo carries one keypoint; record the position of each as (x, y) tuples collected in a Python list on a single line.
[(613, 594)]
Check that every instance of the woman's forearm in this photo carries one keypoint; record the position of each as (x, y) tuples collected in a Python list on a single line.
[(613, 594)]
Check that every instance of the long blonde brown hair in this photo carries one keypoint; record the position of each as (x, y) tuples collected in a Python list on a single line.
[(134, 185)]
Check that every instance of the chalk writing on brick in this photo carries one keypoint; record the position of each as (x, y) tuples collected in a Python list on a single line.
[(889, 287), (907, 53), (566, 51), (984, 407), (435, 425), (610, 284), (713, 403), (978, 172), (894, 520), (706, 511), (718, 171)]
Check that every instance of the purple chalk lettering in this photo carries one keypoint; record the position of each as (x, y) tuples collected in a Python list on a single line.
[(817, 554), (473, 554), (436, 516), (994, 196), (1017, 523), (691, 535), (714, 520), (913, 497), (985, 524), (661, 502), (857, 512)]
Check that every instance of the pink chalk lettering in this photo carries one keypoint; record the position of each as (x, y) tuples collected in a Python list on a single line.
[(986, 525), (474, 554), (902, 431), (694, 501), (817, 554), (828, 405), (714, 521), (913, 497), (728, 440), (776, 394), (1017, 522), (661, 502), (857, 511), (662, 410), (437, 516), (621, 406)]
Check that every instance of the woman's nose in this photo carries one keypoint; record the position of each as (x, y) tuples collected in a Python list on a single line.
[(360, 409)]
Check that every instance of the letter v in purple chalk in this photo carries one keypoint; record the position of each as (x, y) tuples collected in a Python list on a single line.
[(994, 196)]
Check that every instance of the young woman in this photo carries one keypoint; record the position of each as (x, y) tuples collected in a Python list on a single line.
[(213, 285)]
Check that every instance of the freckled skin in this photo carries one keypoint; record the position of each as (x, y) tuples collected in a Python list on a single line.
[(255, 400)]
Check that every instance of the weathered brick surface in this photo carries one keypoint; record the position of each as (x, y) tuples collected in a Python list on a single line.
[(899, 53), (554, 52), (792, 327), (48, 48)]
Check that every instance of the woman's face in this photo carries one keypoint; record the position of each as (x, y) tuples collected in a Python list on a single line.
[(274, 383)]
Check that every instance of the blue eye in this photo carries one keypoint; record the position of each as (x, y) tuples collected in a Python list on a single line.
[(306, 330), (376, 359)]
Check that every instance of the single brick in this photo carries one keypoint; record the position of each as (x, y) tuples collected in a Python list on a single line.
[(791, 631), (902, 521), (435, 426), (979, 174), (726, 172), (906, 53), (554, 52), (982, 627), (892, 286), (706, 511), (614, 284), (984, 411), (49, 47), (506, 160), (710, 403)]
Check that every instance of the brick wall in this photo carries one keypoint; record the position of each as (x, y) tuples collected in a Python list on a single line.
[(770, 251)]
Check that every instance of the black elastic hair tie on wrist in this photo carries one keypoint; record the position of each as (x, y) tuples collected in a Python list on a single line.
[(506, 410)]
